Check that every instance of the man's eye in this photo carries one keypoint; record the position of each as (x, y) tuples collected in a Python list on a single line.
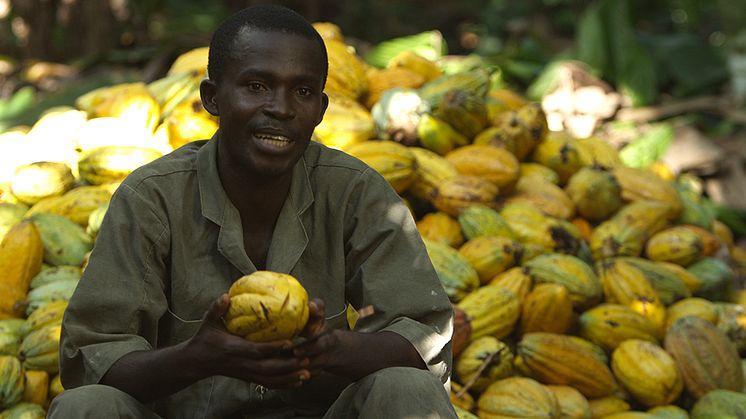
[(304, 91), (255, 86)]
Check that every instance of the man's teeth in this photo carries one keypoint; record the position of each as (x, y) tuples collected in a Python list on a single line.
[(275, 140)]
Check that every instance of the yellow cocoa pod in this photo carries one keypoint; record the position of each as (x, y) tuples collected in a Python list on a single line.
[(509, 133), (432, 170), (479, 220), (539, 171), (677, 244), (626, 232), (669, 412), (572, 403), (547, 308), (693, 306), (456, 275), (380, 81), (440, 227), (690, 280), (346, 71), (571, 272), (607, 406), (411, 61), (608, 325), (77, 204), (487, 349), (516, 280), (711, 243), (538, 232), (647, 371), (624, 283), (639, 184), (21, 253), (132, 102), (723, 232), (559, 153), (597, 152), (393, 161), (547, 197), (37, 387), (55, 387), (533, 118), (492, 311), (329, 31), (113, 163), (438, 136), (460, 192), (345, 123), (33, 182), (517, 397), (464, 401), (490, 255), (595, 193), (555, 359), (267, 306), (491, 163), (509, 98), (11, 381)]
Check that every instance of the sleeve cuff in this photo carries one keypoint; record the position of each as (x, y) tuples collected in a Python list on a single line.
[(433, 347), (101, 356)]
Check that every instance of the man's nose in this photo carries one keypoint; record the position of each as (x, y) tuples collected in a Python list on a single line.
[(279, 105)]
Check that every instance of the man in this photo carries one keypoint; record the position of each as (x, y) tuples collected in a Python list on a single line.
[(143, 334)]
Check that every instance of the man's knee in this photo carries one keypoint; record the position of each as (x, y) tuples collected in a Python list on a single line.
[(96, 401), (403, 380)]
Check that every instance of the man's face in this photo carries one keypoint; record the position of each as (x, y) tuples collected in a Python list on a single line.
[(269, 101)]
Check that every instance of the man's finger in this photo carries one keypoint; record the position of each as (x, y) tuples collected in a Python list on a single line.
[(218, 308)]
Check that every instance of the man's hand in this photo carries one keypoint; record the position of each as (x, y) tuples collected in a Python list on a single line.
[(219, 352), (321, 341)]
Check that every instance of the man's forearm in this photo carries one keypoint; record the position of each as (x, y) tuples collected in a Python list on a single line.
[(150, 375), (364, 353)]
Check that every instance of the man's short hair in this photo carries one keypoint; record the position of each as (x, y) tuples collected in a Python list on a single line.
[(264, 17)]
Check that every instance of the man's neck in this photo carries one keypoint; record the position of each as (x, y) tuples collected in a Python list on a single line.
[(251, 194)]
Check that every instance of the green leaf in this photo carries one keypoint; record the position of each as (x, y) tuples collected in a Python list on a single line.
[(428, 44), (591, 40), (648, 148), (19, 102), (637, 79), (734, 218), (546, 82)]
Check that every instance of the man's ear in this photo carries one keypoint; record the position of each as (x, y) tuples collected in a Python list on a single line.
[(208, 91), (324, 105)]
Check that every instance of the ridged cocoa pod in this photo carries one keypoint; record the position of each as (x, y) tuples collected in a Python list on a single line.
[(491, 255), (647, 371), (554, 359), (518, 397), (595, 193), (608, 325), (21, 253), (494, 164), (546, 196), (440, 227), (486, 349), (706, 358), (457, 193), (492, 311), (547, 308), (456, 275)]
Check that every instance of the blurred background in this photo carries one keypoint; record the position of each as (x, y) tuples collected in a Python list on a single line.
[(668, 76)]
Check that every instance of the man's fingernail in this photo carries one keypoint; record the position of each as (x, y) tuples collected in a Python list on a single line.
[(303, 376)]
